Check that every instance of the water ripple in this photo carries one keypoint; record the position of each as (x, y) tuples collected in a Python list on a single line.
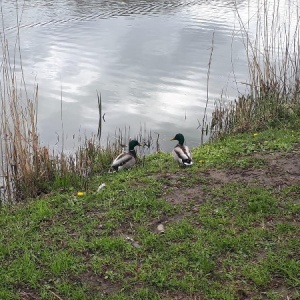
[(148, 58), (107, 9)]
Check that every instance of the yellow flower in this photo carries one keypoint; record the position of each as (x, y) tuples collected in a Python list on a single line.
[(80, 193), (255, 134), (201, 161)]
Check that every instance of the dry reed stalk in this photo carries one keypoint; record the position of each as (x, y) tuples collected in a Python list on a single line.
[(273, 67), (204, 120), (24, 164)]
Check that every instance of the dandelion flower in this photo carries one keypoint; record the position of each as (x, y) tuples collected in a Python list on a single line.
[(80, 193), (255, 134)]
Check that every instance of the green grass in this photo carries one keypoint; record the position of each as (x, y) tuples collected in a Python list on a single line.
[(223, 239), (237, 150)]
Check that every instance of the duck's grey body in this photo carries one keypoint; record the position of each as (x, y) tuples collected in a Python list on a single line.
[(181, 152), (126, 160)]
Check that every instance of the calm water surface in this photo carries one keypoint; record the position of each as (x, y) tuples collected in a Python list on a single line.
[(149, 60)]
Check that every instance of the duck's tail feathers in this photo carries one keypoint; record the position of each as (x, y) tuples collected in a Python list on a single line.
[(187, 162), (113, 169)]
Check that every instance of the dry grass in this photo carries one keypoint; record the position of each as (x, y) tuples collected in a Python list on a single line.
[(29, 169), (273, 65)]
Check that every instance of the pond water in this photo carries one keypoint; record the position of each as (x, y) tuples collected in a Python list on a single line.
[(148, 59)]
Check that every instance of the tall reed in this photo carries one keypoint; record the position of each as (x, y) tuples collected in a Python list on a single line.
[(28, 169), (17, 129), (273, 65)]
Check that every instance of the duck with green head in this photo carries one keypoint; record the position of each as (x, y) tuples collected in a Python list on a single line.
[(181, 152), (126, 160)]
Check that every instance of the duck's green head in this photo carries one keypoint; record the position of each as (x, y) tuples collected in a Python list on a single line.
[(132, 144), (178, 137)]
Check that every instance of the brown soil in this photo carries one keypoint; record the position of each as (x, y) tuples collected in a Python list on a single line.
[(280, 170)]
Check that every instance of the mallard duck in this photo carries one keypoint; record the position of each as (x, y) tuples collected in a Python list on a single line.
[(181, 152), (126, 160)]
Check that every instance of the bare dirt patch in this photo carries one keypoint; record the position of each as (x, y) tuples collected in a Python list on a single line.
[(99, 285), (176, 192), (280, 170), (26, 293), (184, 195)]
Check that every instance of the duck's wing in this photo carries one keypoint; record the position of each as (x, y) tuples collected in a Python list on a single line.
[(182, 154), (187, 150), (122, 160)]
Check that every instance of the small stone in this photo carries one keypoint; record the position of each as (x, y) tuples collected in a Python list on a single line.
[(160, 228), (101, 186)]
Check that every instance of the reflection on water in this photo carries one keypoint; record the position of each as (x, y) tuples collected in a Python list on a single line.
[(149, 60)]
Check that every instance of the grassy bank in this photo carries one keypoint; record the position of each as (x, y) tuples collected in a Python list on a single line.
[(230, 222)]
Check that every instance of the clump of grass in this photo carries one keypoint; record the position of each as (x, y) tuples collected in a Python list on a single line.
[(273, 66)]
